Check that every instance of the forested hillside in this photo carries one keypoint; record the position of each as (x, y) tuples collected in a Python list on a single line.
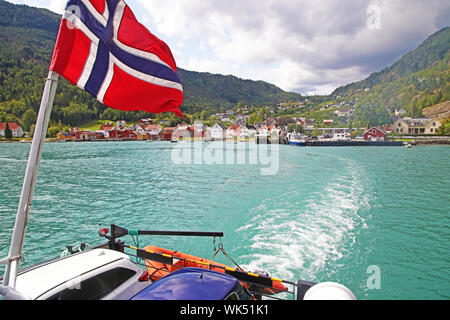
[(27, 37), (420, 79)]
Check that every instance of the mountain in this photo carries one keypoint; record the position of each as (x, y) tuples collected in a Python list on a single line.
[(27, 37), (440, 111), (213, 90), (418, 80)]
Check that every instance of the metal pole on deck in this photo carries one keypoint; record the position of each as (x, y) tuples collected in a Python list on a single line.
[(26, 197)]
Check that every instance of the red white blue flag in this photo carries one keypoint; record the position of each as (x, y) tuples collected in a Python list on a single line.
[(104, 50)]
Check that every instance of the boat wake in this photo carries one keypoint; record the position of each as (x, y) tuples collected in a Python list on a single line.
[(300, 239)]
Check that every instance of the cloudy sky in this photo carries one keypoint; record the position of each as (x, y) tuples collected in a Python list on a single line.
[(306, 46)]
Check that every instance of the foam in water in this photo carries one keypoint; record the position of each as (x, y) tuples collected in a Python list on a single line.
[(299, 241)]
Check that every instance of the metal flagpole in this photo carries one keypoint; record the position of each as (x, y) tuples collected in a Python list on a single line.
[(26, 197)]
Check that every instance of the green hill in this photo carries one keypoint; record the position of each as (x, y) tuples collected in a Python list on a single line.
[(421, 78), (27, 37)]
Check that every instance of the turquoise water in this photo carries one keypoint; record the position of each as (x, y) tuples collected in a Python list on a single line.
[(329, 214)]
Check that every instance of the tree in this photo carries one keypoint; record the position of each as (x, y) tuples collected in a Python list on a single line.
[(317, 132), (52, 132), (29, 118), (8, 132), (293, 127), (445, 128)]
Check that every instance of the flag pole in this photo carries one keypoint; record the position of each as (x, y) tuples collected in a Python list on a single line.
[(26, 197)]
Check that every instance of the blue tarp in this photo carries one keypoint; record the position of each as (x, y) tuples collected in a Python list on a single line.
[(190, 284)]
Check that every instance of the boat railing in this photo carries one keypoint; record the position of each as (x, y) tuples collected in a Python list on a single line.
[(260, 285), (257, 283)]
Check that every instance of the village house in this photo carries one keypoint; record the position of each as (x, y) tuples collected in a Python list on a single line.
[(166, 133), (248, 131), (106, 129), (16, 130), (121, 124), (218, 132), (328, 122), (375, 135), (199, 129), (145, 122), (90, 136), (224, 118), (75, 132), (140, 135), (234, 131), (138, 131), (153, 131), (346, 113), (242, 119), (399, 112), (416, 126), (269, 130), (183, 131), (64, 136)]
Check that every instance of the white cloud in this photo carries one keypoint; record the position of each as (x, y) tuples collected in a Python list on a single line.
[(307, 46), (297, 45)]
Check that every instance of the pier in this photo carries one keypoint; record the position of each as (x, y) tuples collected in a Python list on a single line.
[(354, 144)]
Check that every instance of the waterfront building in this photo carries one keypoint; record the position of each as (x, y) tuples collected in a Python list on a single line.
[(64, 136), (218, 131), (416, 126), (248, 131), (166, 133), (16, 130), (375, 134), (153, 131), (234, 131), (145, 122)]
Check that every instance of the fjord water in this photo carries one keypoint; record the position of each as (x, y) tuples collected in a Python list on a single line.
[(329, 214)]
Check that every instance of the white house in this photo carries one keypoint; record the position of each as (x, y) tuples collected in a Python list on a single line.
[(218, 132), (121, 124), (248, 131), (16, 130), (137, 128)]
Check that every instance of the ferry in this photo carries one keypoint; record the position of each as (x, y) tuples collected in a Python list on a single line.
[(297, 139)]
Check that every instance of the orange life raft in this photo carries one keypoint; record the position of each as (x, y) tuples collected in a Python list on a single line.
[(157, 270)]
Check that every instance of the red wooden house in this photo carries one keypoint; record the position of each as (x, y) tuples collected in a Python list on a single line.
[(375, 134), (166, 133)]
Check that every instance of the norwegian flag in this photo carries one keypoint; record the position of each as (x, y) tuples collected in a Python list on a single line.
[(104, 50)]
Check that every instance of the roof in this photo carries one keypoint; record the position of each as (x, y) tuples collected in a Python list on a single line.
[(416, 121), (89, 133), (37, 281), (190, 284), (220, 125), (12, 125), (66, 134), (235, 127), (152, 127), (376, 129), (107, 128)]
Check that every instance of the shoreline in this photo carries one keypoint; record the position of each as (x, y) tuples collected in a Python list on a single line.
[(313, 144)]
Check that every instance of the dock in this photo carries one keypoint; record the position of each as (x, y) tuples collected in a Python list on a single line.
[(354, 144)]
